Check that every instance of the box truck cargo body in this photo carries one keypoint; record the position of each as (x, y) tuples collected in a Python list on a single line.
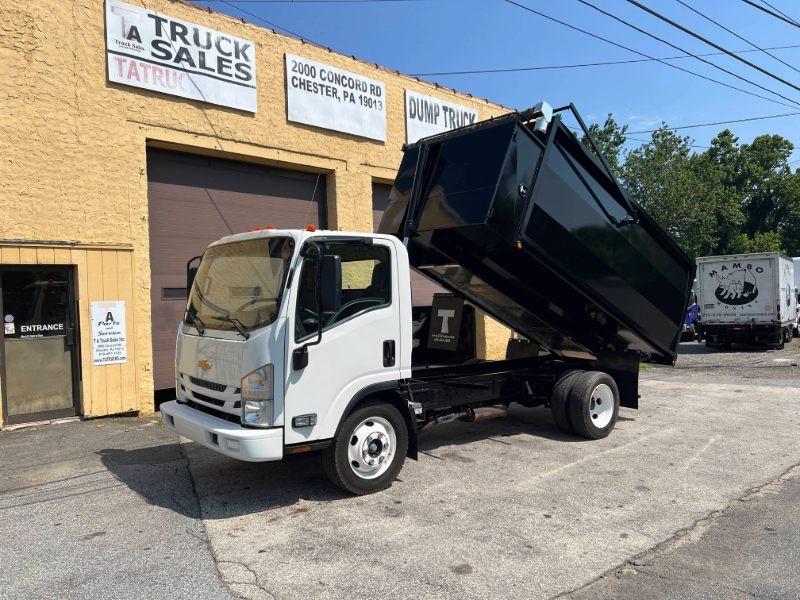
[(747, 298)]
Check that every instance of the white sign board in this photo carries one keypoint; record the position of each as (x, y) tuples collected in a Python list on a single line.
[(428, 116), (327, 97), (146, 49), (109, 346)]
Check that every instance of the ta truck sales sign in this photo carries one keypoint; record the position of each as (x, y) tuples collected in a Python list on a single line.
[(146, 49), (427, 116), (324, 96)]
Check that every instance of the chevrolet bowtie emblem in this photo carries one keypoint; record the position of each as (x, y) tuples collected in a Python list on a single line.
[(204, 364)]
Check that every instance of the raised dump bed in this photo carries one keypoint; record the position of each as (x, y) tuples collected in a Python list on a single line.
[(516, 216)]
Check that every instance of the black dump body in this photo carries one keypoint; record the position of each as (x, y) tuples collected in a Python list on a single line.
[(532, 229)]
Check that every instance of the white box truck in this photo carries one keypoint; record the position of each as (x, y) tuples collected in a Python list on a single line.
[(747, 299), (300, 340)]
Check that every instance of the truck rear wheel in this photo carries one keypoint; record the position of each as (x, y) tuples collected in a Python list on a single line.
[(559, 401), (594, 405), (369, 450)]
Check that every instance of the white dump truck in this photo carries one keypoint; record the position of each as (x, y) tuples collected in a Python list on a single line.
[(747, 298), (299, 340)]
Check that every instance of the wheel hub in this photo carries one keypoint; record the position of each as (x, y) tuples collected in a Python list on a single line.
[(601, 406), (371, 447)]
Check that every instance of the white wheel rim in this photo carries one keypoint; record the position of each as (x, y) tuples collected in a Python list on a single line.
[(601, 406), (371, 448)]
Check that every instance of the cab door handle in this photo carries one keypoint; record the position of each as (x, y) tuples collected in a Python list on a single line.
[(388, 353)]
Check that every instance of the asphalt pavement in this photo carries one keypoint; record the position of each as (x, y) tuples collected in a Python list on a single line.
[(692, 496)]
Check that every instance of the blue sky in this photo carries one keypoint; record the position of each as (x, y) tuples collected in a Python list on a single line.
[(455, 35)]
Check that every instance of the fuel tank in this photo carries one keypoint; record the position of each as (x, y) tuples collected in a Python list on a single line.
[(529, 226)]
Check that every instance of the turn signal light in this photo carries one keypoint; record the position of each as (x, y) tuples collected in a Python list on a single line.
[(311, 228)]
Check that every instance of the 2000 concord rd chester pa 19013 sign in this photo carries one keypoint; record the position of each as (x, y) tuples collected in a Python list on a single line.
[(148, 50), (324, 96)]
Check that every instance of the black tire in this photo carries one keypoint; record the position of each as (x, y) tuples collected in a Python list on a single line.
[(335, 460), (559, 401), (585, 397)]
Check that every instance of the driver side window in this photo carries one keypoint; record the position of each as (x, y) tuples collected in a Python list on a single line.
[(366, 285)]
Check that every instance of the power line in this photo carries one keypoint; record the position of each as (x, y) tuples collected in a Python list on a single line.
[(776, 10), (723, 122), (655, 37), (616, 62), (718, 47), (274, 25), (733, 87), (736, 34), (754, 5)]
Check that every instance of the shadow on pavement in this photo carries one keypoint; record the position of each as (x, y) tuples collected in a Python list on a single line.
[(228, 488)]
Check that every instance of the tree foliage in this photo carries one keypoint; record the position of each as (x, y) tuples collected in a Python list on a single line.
[(732, 198)]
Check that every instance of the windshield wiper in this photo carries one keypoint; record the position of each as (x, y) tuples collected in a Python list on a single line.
[(235, 322), (195, 318)]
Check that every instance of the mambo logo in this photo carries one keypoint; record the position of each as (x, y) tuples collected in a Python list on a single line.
[(737, 287), (429, 112), (187, 47), (32, 328)]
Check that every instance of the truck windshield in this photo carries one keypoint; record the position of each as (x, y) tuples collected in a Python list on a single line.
[(240, 283)]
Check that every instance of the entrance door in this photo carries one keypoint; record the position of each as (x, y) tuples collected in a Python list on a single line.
[(40, 357)]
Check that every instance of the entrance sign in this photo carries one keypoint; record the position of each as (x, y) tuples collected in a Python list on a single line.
[(445, 322), (146, 49), (109, 346), (324, 96), (428, 116)]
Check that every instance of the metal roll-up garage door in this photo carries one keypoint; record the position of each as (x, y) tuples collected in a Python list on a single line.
[(422, 289), (195, 200)]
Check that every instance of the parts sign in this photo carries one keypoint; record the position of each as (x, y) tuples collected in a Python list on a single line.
[(109, 346), (146, 49)]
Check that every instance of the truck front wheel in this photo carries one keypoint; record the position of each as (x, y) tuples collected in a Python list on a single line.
[(369, 450)]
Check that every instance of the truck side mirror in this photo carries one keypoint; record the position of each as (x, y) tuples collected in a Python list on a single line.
[(191, 273), (331, 283)]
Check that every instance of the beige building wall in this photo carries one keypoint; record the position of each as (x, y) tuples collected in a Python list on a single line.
[(73, 150)]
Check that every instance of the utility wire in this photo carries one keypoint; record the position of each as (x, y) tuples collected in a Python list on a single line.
[(616, 62), (769, 12), (777, 11), (723, 122), (737, 35), (655, 37), (733, 87), (270, 23), (718, 47)]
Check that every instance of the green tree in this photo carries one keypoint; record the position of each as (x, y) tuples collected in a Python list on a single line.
[(768, 192), (610, 139), (682, 191)]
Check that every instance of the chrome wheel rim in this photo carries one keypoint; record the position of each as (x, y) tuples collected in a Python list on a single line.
[(371, 447), (601, 406)]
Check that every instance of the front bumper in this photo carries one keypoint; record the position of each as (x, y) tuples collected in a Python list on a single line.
[(254, 445)]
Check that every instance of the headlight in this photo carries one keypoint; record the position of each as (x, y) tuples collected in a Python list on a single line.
[(257, 397)]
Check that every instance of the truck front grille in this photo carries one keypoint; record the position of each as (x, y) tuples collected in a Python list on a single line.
[(209, 385), (214, 401), (214, 412)]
